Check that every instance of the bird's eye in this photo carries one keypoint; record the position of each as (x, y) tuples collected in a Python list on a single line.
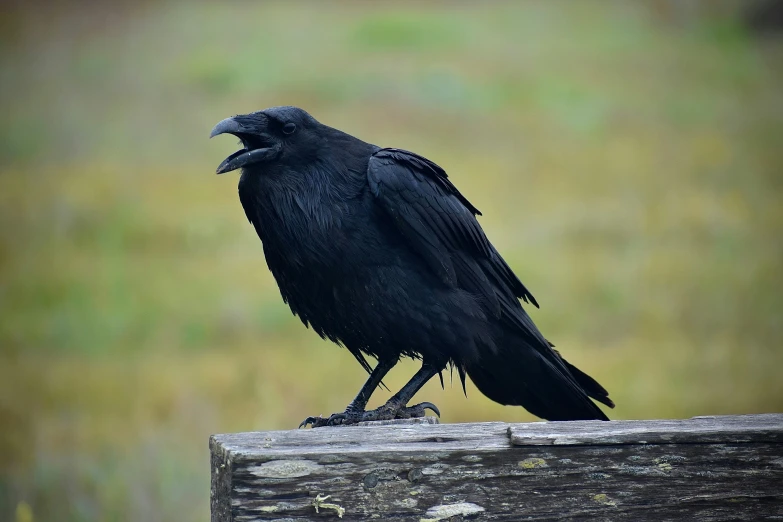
[(289, 128)]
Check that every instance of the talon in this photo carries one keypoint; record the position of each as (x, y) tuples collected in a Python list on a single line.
[(336, 419), (429, 406), (333, 419), (315, 422)]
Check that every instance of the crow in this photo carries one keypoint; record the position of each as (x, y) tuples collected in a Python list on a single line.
[(375, 249)]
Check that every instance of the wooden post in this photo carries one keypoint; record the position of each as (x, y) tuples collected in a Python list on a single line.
[(705, 468)]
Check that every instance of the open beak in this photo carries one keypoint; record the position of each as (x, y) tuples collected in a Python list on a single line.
[(257, 147)]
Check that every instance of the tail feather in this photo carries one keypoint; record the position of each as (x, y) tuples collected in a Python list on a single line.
[(588, 384), (549, 388)]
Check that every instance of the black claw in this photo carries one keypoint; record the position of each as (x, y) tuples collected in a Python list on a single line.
[(429, 406), (336, 419), (315, 422), (308, 420), (418, 410)]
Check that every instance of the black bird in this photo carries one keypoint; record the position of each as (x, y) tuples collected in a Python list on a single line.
[(377, 250)]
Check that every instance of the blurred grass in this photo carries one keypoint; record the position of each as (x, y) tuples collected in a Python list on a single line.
[(626, 156)]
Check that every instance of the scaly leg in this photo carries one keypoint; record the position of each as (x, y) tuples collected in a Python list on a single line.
[(356, 408), (395, 408)]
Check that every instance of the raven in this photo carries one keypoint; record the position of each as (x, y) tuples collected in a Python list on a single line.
[(376, 250)]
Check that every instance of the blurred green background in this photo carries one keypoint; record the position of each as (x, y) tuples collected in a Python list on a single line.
[(627, 156)]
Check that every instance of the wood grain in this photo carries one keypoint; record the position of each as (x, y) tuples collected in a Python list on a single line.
[(709, 468)]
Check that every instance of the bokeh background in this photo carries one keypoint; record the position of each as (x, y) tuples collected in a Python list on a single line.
[(627, 156)]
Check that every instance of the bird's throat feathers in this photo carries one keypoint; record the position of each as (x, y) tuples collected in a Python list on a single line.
[(297, 209), (309, 190)]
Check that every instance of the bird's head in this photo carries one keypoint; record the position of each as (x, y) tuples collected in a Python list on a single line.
[(268, 135)]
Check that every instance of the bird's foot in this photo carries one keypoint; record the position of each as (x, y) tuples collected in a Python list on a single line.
[(349, 416), (388, 411), (393, 411)]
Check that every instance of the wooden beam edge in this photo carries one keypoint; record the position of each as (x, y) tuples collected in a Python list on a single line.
[(721, 429), (490, 436)]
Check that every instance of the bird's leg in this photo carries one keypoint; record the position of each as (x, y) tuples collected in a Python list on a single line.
[(395, 408), (353, 413)]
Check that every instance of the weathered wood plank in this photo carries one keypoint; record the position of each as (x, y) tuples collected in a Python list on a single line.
[(724, 429), (722, 468)]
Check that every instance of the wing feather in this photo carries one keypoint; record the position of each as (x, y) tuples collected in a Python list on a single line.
[(441, 226)]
